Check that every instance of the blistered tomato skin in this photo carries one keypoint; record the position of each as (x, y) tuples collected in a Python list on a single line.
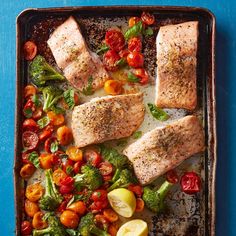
[(190, 183), (110, 59), (135, 44), (115, 39), (135, 59), (26, 228), (30, 50)]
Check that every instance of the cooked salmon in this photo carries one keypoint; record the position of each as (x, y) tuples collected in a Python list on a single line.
[(164, 148), (74, 57), (176, 66), (107, 118)]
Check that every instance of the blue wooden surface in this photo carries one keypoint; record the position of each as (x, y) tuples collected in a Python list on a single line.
[(225, 12)]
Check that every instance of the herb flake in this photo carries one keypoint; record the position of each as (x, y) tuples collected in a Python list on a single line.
[(103, 48), (157, 112), (43, 122), (33, 157), (134, 31), (137, 134), (89, 89), (69, 98), (132, 78)]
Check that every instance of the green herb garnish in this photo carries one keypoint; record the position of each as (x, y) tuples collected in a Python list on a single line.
[(121, 142), (28, 112), (43, 122), (54, 146), (33, 157), (157, 112), (69, 170), (122, 62), (132, 78), (137, 134), (69, 98), (148, 32), (89, 89), (134, 31), (103, 48), (36, 101), (58, 110)]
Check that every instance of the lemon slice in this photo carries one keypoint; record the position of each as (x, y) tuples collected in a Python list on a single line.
[(133, 228), (122, 201)]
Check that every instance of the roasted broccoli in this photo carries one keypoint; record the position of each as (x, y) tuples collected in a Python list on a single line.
[(51, 94), (87, 227), (154, 198), (126, 178), (52, 198), (90, 178), (55, 228), (40, 72)]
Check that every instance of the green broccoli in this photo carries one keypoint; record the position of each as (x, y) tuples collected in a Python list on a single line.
[(90, 178), (55, 228), (52, 198), (40, 72), (126, 178), (87, 227), (154, 198), (51, 94)]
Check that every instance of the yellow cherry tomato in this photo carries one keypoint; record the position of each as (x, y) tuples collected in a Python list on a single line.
[(27, 171), (34, 192), (31, 208), (45, 160), (64, 135), (38, 222), (113, 87), (55, 119), (58, 175), (78, 207), (74, 153), (69, 219)]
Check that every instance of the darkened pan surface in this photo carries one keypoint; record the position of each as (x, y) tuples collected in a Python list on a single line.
[(38, 24)]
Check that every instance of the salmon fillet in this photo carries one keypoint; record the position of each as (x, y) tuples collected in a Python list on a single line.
[(177, 65), (164, 148), (107, 118), (74, 57)]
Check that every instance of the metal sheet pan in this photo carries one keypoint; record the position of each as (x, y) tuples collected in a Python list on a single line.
[(198, 212)]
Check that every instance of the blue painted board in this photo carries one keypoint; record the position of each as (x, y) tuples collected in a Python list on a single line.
[(225, 12)]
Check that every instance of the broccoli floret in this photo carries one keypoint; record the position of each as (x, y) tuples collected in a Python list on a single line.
[(55, 228), (40, 72), (52, 198), (90, 177), (126, 178), (154, 199), (51, 95), (87, 227)]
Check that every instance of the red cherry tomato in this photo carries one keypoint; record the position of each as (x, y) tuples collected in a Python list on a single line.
[(67, 181), (115, 39), (26, 228), (147, 18), (105, 168), (77, 167), (99, 195), (31, 125), (142, 75), (136, 189), (190, 183), (172, 176), (68, 164), (110, 59), (92, 157), (56, 159), (30, 50), (64, 189), (133, 21), (107, 178), (37, 114), (48, 142), (135, 59), (135, 44), (124, 53), (98, 206), (62, 207), (46, 133), (30, 140), (28, 109), (25, 158)]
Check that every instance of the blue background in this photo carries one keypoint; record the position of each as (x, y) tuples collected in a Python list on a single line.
[(225, 12)]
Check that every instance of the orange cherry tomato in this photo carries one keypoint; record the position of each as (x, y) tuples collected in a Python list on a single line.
[(38, 222), (30, 50), (46, 160), (115, 39), (133, 20), (26, 228), (69, 219), (34, 192), (58, 175), (147, 18), (135, 59), (110, 215), (78, 207), (113, 229), (75, 154), (29, 91), (64, 135), (55, 119), (142, 75), (139, 205), (101, 220), (113, 87), (31, 208), (27, 171), (135, 44)]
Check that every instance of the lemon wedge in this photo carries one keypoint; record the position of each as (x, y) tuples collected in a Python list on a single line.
[(122, 201), (133, 228)]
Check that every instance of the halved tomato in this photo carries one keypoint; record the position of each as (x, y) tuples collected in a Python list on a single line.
[(115, 39)]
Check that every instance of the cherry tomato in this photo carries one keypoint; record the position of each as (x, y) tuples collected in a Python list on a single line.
[(48, 142), (68, 164), (190, 183), (26, 228), (74, 153), (139, 205), (105, 168), (77, 167), (45, 160), (147, 18), (30, 140), (135, 44), (101, 221), (99, 195), (27, 171), (46, 133), (62, 207), (38, 222), (55, 119), (58, 175), (142, 75), (37, 114), (56, 161), (113, 87), (69, 219), (29, 91), (64, 189), (124, 53), (64, 135), (172, 177), (106, 178), (92, 157), (30, 50), (28, 109), (136, 189), (110, 59), (34, 192), (78, 207), (115, 39), (110, 215), (31, 125), (113, 228), (31, 208), (135, 59), (133, 20), (68, 181), (98, 206), (24, 158)]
